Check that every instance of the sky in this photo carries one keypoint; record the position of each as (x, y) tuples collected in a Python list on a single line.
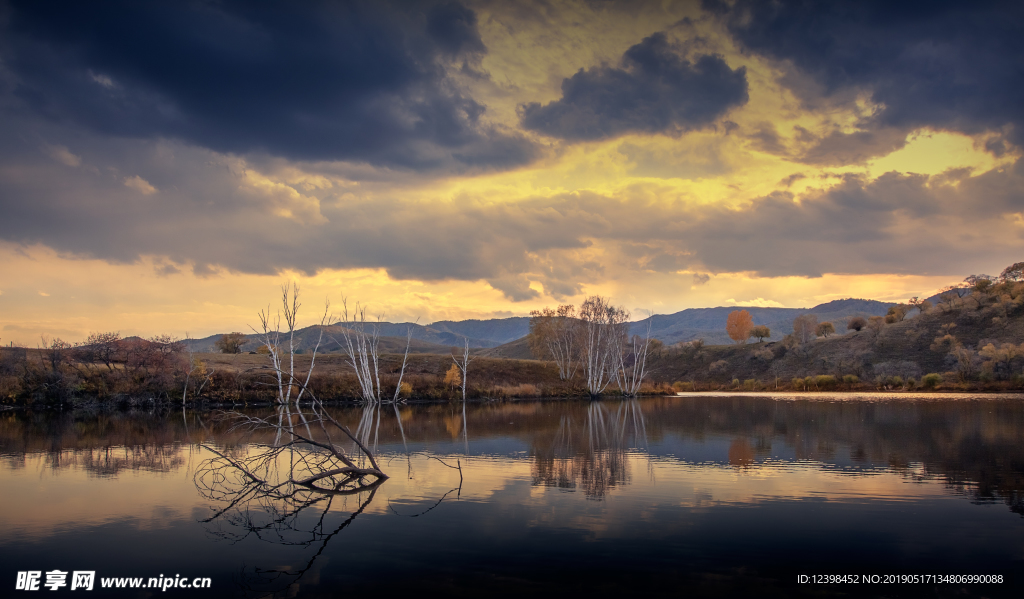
[(166, 166)]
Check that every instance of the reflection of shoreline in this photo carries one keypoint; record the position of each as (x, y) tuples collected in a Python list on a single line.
[(860, 395), (972, 443)]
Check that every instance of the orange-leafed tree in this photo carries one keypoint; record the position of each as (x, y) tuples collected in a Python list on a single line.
[(453, 377), (738, 325)]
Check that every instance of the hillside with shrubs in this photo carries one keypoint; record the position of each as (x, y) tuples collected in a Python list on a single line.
[(970, 338)]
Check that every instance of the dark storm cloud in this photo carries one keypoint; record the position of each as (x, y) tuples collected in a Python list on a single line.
[(943, 64), (311, 80), (453, 27), (655, 90), (192, 208)]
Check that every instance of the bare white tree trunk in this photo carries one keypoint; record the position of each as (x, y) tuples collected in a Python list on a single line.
[(602, 326), (270, 335), (464, 367), (562, 346), (362, 342), (632, 364)]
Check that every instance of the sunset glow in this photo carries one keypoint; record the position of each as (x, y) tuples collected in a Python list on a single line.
[(484, 159)]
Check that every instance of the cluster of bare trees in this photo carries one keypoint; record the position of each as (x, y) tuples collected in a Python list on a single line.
[(290, 387), (362, 345), (594, 343), (361, 342)]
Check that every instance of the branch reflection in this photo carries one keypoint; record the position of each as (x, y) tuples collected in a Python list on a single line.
[(285, 492)]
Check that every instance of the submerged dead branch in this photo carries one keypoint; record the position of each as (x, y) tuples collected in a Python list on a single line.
[(267, 490)]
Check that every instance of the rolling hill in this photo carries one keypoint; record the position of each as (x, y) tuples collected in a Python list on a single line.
[(709, 323), (504, 337)]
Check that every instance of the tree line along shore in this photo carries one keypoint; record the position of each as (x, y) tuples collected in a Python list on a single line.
[(970, 339)]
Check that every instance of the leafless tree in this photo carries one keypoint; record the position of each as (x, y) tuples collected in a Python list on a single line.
[(804, 327), (194, 368), (55, 350), (554, 334), (270, 334), (463, 367), (1013, 272), (362, 344), (632, 363), (61, 379), (776, 369), (103, 347), (603, 331)]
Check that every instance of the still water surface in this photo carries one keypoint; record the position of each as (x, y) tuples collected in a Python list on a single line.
[(676, 496)]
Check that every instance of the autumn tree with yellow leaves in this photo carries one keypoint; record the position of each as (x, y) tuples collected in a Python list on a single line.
[(738, 325)]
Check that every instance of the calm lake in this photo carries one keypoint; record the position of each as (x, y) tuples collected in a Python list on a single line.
[(669, 496)]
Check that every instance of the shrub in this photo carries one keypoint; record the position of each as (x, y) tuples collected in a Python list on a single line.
[(405, 390), (735, 382), (798, 383), (512, 391), (760, 332), (931, 381), (851, 379), (825, 381), (750, 384), (231, 343)]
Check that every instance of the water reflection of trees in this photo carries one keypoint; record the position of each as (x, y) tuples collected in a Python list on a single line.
[(591, 454), (285, 490), (971, 445), (102, 444)]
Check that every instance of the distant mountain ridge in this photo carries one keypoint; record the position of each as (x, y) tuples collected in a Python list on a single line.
[(438, 337), (685, 325), (709, 323), (481, 333)]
